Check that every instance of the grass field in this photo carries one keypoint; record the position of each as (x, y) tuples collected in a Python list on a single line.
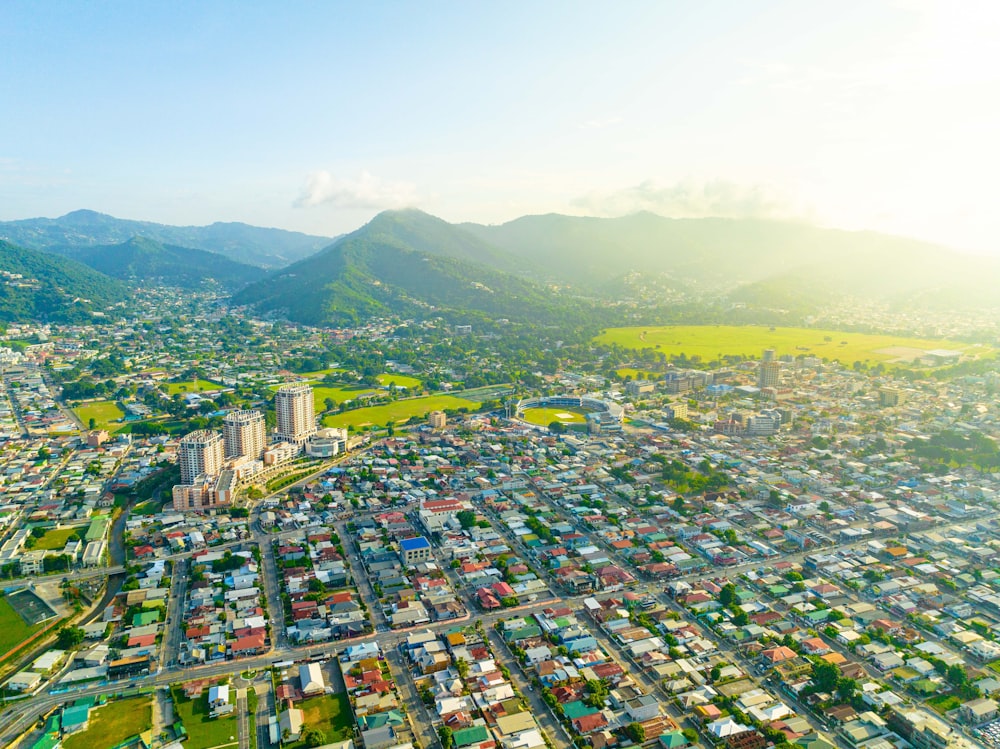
[(942, 703), (55, 538), (709, 341), (486, 393), (638, 374), (545, 416), (112, 724), (104, 413), (338, 394), (398, 379), (193, 386), (12, 627), (397, 411), (329, 713), (203, 731)]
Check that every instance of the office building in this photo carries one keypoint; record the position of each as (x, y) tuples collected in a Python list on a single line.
[(200, 452), (769, 373), (243, 434), (296, 413), (414, 550), (437, 419), (889, 397)]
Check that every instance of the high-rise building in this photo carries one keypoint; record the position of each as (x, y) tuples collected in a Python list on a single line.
[(200, 452), (769, 372), (296, 413), (243, 433)]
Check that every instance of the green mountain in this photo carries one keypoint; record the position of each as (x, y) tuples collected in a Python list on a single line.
[(758, 261), (267, 248), (146, 260), (39, 286), (404, 262)]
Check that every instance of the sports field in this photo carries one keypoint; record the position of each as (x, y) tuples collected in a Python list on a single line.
[(398, 380), (396, 412), (191, 386), (637, 374), (711, 341), (545, 416), (13, 629), (104, 413)]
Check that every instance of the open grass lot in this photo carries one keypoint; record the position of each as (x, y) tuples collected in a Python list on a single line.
[(338, 394), (102, 412), (486, 393), (55, 538), (638, 374), (396, 412), (330, 713), (319, 374), (193, 386), (112, 724), (399, 380), (203, 731), (942, 703), (12, 627), (709, 341), (545, 416)]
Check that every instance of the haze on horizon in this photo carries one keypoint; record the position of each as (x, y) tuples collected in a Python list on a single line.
[(868, 114)]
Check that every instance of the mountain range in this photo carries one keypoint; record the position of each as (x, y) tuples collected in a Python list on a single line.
[(253, 245), (549, 268), (38, 286)]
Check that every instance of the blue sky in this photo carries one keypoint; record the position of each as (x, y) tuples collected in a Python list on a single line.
[(315, 116)]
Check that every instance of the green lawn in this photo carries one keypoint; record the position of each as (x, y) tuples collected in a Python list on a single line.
[(638, 374), (319, 374), (203, 731), (13, 630), (102, 412), (112, 724), (545, 416), (55, 538), (397, 411), (942, 703), (329, 713), (709, 341), (398, 379), (338, 394), (193, 386)]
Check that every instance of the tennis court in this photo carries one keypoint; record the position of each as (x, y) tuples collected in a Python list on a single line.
[(30, 607)]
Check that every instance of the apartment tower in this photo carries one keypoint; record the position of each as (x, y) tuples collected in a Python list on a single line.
[(200, 452), (769, 372), (243, 433), (296, 413)]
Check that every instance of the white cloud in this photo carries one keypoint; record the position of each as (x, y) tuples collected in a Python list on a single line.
[(689, 199), (367, 192)]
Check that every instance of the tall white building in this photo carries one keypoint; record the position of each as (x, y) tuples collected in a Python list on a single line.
[(296, 413), (244, 434), (200, 452)]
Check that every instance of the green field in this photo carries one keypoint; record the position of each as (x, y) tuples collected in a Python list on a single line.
[(193, 386), (104, 413), (711, 341), (397, 411), (338, 394), (203, 730), (112, 724), (13, 630), (55, 538), (545, 416), (329, 713), (638, 374), (398, 379)]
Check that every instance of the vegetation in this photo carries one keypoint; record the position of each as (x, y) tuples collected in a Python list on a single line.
[(329, 714), (397, 411), (701, 344), (13, 629), (55, 538), (104, 414), (202, 729), (113, 723), (545, 416)]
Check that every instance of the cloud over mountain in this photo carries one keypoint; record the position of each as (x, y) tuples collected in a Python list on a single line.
[(366, 191)]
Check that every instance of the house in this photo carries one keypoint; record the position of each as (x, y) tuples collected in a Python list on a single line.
[(978, 711), (290, 723), (218, 700), (311, 679), (587, 724)]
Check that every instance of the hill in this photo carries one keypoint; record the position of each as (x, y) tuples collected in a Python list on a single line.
[(267, 248), (38, 286), (404, 262), (146, 260), (749, 257)]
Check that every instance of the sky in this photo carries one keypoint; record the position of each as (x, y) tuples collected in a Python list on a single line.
[(315, 116)]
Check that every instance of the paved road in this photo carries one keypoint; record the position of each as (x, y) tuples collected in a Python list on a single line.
[(243, 718)]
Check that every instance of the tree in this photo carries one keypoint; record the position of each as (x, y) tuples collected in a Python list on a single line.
[(445, 735), (636, 732), (313, 737), (466, 517), (825, 676), (557, 427), (69, 637), (727, 596)]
